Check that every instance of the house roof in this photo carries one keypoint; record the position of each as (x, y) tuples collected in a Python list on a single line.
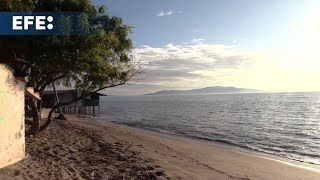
[(30, 93), (67, 91)]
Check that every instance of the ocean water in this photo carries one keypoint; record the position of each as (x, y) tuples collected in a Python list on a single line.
[(285, 125)]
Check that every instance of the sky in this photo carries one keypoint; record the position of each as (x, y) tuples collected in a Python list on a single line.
[(269, 45)]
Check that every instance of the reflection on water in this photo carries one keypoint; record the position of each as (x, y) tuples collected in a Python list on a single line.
[(286, 125)]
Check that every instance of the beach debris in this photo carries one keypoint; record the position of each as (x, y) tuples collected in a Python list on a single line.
[(27, 156)]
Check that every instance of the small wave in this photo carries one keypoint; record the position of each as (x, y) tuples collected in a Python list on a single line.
[(286, 146), (309, 155), (222, 141), (167, 132), (271, 149)]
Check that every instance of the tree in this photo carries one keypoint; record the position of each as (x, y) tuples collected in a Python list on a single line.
[(90, 63)]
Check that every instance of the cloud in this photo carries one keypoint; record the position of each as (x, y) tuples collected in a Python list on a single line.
[(197, 64), (190, 65), (166, 13), (199, 40)]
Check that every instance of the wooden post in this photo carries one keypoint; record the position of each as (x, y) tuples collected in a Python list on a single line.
[(57, 97)]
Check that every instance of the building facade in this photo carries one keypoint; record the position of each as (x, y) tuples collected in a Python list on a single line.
[(12, 128)]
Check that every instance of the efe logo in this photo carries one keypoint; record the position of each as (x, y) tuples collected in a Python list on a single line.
[(38, 22)]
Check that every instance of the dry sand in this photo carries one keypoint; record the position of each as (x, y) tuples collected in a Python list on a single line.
[(87, 149)]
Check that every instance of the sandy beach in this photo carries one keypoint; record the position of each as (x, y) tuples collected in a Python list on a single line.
[(87, 149)]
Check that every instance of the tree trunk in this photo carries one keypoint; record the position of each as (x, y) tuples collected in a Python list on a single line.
[(61, 116), (35, 126), (60, 104), (49, 120)]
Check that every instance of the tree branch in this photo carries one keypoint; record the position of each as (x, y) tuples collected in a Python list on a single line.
[(43, 87), (110, 86), (14, 60), (42, 80), (60, 104)]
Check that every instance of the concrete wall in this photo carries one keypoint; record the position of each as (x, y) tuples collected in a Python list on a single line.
[(12, 140)]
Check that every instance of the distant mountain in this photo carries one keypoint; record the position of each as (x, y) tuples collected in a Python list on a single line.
[(207, 90)]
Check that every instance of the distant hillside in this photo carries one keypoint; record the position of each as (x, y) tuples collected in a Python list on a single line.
[(207, 90)]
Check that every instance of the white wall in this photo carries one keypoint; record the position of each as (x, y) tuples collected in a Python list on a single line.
[(12, 129)]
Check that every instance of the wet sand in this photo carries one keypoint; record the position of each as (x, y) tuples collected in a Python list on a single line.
[(87, 149)]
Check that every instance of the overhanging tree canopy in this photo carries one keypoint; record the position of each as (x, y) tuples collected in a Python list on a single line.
[(93, 61)]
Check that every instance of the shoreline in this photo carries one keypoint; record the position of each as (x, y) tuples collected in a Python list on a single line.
[(86, 148), (217, 144)]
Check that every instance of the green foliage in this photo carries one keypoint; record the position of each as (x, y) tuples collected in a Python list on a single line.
[(89, 62), (17, 5)]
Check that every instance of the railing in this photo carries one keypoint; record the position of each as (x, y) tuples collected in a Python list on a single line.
[(83, 110)]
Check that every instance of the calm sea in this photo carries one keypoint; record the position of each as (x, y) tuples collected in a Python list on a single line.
[(285, 125)]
